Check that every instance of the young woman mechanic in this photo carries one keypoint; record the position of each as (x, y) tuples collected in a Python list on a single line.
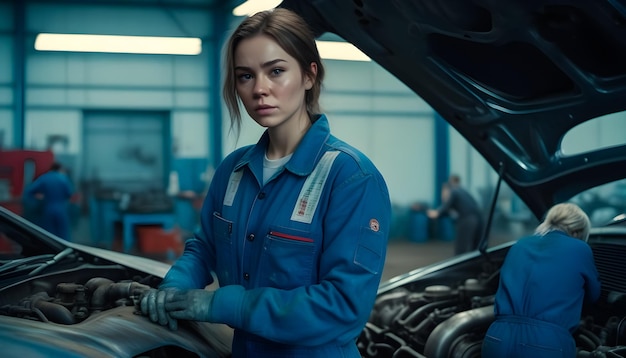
[(543, 282), (295, 227)]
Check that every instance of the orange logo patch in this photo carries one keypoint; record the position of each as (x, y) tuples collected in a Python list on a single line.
[(374, 225)]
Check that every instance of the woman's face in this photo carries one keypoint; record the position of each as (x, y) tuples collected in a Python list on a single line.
[(270, 82)]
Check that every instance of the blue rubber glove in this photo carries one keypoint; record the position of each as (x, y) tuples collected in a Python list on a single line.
[(194, 305), (152, 304)]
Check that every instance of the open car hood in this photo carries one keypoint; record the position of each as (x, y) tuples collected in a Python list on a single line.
[(512, 77)]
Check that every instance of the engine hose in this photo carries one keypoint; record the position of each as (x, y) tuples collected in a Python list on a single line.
[(444, 335), (586, 342), (411, 323), (105, 290), (40, 305), (97, 286), (55, 312), (407, 352), (621, 332), (423, 330), (125, 290), (380, 350), (40, 314), (589, 334)]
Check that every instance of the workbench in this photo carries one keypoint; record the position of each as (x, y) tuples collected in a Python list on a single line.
[(130, 219), (105, 212)]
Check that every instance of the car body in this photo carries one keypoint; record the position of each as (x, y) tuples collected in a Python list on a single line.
[(513, 78)]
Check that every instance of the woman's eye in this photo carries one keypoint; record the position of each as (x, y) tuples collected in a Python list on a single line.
[(277, 71), (244, 76)]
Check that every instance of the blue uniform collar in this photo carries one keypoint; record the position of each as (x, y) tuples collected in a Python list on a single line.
[(304, 159)]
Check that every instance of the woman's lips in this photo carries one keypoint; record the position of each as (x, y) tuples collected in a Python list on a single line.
[(265, 110)]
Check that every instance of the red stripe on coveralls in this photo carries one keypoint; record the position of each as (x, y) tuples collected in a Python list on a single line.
[(290, 237)]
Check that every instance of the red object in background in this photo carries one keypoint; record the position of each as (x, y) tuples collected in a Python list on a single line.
[(12, 168), (156, 240), (13, 162)]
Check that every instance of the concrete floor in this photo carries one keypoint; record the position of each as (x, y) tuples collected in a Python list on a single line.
[(404, 256)]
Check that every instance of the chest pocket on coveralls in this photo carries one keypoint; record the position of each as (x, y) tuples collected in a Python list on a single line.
[(222, 232), (287, 258)]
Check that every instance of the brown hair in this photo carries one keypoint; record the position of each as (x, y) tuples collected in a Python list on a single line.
[(293, 35), (454, 180), (56, 166)]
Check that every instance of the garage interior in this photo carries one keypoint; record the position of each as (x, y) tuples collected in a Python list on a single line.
[(141, 134)]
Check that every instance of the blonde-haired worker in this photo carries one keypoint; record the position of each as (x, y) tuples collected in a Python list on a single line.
[(544, 281)]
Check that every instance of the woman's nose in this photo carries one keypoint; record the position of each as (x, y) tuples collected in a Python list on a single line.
[(261, 86)]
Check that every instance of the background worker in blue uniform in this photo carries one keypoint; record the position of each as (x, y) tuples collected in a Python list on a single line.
[(468, 218), (294, 227), (52, 192), (544, 281)]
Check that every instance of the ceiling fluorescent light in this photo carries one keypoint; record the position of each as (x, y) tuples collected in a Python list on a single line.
[(251, 7), (334, 50), (119, 44)]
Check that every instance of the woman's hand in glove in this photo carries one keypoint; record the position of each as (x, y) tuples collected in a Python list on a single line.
[(194, 304), (152, 304)]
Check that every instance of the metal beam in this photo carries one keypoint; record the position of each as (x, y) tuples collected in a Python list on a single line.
[(19, 72), (174, 4), (442, 155), (215, 89)]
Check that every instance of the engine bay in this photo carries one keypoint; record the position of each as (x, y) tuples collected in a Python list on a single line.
[(445, 311), (441, 310), (85, 306), (70, 303)]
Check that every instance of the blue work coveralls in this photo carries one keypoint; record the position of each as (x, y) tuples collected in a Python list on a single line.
[(53, 214), (544, 282), (299, 259), (469, 221)]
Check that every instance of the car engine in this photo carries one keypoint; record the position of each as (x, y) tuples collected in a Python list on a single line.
[(72, 302), (445, 310), (82, 305)]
